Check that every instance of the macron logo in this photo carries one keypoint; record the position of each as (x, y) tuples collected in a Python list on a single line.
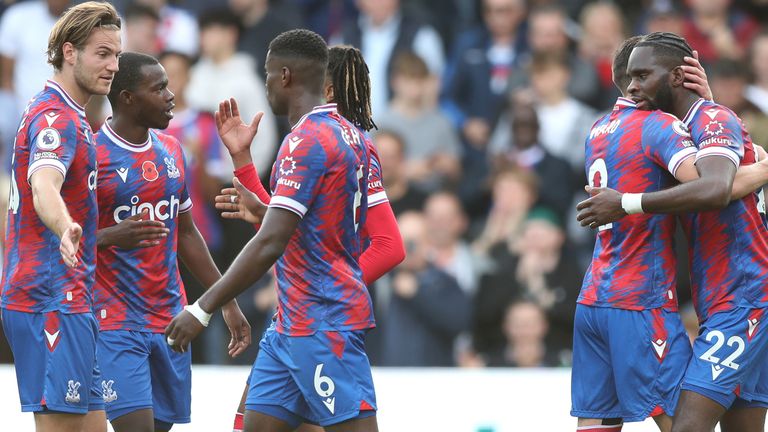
[(51, 339), (752, 327), (659, 346), (50, 117), (123, 173), (294, 142), (329, 403), (716, 371), (712, 113)]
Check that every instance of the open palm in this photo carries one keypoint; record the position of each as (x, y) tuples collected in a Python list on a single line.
[(235, 134)]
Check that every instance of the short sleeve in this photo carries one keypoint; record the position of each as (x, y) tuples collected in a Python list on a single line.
[(376, 193), (299, 171), (718, 132), (53, 136), (666, 141), (186, 200)]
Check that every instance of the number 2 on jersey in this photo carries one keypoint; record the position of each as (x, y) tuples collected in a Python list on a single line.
[(598, 177), (358, 197)]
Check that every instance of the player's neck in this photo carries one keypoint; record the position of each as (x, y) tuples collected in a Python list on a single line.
[(302, 105), (684, 104), (67, 82), (127, 129)]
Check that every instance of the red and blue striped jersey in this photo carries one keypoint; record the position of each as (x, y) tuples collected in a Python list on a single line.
[(728, 248), (633, 265), (321, 175), (53, 134), (139, 289), (376, 193)]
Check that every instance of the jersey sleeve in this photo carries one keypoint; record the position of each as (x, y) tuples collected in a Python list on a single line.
[(376, 193), (53, 138), (666, 141), (299, 175), (718, 132), (186, 200)]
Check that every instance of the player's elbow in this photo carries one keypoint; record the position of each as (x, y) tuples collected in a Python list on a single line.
[(716, 195)]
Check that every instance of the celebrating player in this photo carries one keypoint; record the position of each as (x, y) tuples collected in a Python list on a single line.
[(728, 244), (50, 254), (348, 86), (144, 220), (312, 365)]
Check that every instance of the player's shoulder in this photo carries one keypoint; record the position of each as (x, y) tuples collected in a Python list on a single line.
[(658, 119), (167, 140)]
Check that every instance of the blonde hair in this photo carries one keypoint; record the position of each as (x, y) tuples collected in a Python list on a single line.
[(76, 25)]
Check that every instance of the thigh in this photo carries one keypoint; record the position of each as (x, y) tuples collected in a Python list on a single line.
[(55, 357), (743, 419), (593, 389), (171, 374), (650, 351), (727, 354), (333, 374), (124, 362)]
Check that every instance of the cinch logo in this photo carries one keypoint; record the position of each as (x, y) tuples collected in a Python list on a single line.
[(163, 210), (92, 180)]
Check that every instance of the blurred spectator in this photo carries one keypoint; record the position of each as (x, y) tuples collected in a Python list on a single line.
[(718, 31), (728, 80), (431, 145), (260, 25), (757, 93), (449, 252), (205, 154), (663, 16), (221, 73), (141, 25), (327, 17), (178, 28), (478, 74), (564, 121), (513, 194), (24, 29), (401, 193), (602, 28), (381, 32), (537, 266), (427, 309), (548, 32), (520, 147), (525, 330)]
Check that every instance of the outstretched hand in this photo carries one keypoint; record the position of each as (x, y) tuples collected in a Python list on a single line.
[(70, 243), (137, 231), (240, 203), (235, 134), (603, 207)]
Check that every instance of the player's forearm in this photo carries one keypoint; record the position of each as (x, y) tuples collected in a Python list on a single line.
[(195, 255), (50, 207), (702, 194), (748, 179), (251, 264)]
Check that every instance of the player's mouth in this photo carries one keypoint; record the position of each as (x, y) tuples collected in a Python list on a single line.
[(641, 103), (169, 112)]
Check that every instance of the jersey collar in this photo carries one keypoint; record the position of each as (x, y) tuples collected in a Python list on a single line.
[(331, 107), (692, 111), (623, 102), (122, 142), (64, 95)]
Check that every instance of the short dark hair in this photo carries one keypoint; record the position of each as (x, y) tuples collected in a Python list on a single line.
[(137, 10), (668, 48), (220, 16), (165, 54), (129, 75), (305, 46), (620, 61)]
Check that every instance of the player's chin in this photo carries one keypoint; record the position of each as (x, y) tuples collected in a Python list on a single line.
[(102, 86)]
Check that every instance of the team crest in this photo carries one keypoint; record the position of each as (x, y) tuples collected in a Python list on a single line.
[(149, 171), (170, 166), (73, 396), (107, 393), (680, 129), (287, 166), (714, 128), (48, 139)]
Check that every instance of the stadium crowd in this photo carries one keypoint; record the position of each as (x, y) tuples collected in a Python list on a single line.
[(482, 109)]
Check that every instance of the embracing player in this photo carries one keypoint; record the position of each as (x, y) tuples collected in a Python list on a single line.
[(146, 385), (728, 245), (50, 254)]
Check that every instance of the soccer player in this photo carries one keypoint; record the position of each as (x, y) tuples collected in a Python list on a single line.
[(312, 366), (728, 244), (146, 385), (348, 86), (50, 254)]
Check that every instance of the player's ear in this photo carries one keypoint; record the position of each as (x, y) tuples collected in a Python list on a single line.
[(69, 52), (285, 77), (125, 97), (676, 76)]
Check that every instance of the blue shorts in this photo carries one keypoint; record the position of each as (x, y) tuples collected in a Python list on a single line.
[(141, 371), (729, 358), (55, 359), (322, 379), (627, 364)]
